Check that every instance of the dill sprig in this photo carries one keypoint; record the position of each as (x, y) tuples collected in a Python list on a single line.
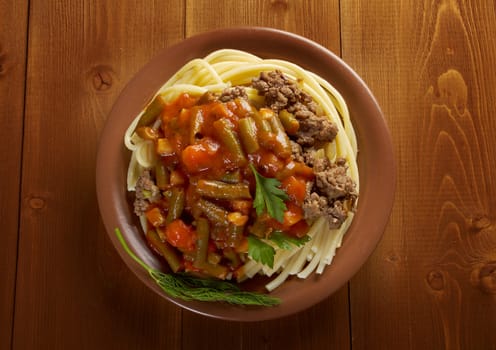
[(187, 287)]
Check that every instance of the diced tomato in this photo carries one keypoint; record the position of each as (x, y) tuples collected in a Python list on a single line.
[(189, 267), (292, 215), (180, 235), (270, 164), (200, 156), (299, 229), (172, 109)]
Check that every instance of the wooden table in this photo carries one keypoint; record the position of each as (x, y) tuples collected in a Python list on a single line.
[(430, 284)]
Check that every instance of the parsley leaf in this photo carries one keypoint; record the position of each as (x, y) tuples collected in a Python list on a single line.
[(260, 251), (268, 196), (287, 242)]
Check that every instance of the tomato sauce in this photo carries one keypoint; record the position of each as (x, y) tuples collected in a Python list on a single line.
[(201, 141)]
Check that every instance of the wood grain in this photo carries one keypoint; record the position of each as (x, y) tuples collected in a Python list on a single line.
[(326, 325), (431, 283), (316, 20), (73, 291), (434, 274), (13, 33)]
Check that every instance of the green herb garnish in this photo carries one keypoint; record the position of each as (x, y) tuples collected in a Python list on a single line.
[(287, 242), (263, 252), (186, 287), (268, 196), (260, 251)]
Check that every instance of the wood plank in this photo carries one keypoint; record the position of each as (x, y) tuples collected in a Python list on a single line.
[(325, 325), (431, 282), (73, 290), (316, 20), (13, 33)]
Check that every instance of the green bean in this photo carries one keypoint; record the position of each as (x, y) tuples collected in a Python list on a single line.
[(234, 235), (289, 121), (162, 176), (214, 213), (232, 256), (261, 122), (232, 177), (202, 231), (222, 190), (196, 124), (176, 204), (151, 112), (282, 145), (230, 140), (259, 228), (164, 249), (248, 134), (214, 270)]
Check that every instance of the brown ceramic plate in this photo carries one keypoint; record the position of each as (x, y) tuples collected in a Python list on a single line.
[(376, 165)]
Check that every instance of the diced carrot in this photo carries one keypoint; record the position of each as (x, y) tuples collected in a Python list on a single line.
[(155, 217), (295, 188), (164, 147), (292, 215), (243, 107), (237, 218), (220, 110), (147, 133), (244, 206), (304, 170), (242, 247), (176, 178)]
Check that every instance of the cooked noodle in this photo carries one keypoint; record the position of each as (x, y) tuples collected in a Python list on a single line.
[(225, 68)]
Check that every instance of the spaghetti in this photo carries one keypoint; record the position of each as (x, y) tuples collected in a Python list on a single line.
[(211, 76)]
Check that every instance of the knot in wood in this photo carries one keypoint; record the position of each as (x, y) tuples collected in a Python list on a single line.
[(435, 280), (487, 278), (481, 223), (392, 258), (36, 203), (282, 4), (101, 77)]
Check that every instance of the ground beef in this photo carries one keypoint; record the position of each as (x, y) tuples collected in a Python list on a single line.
[(316, 206), (304, 109), (332, 180), (282, 93), (232, 93), (279, 91), (315, 129), (146, 193), (297, 151), (332, 194)]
